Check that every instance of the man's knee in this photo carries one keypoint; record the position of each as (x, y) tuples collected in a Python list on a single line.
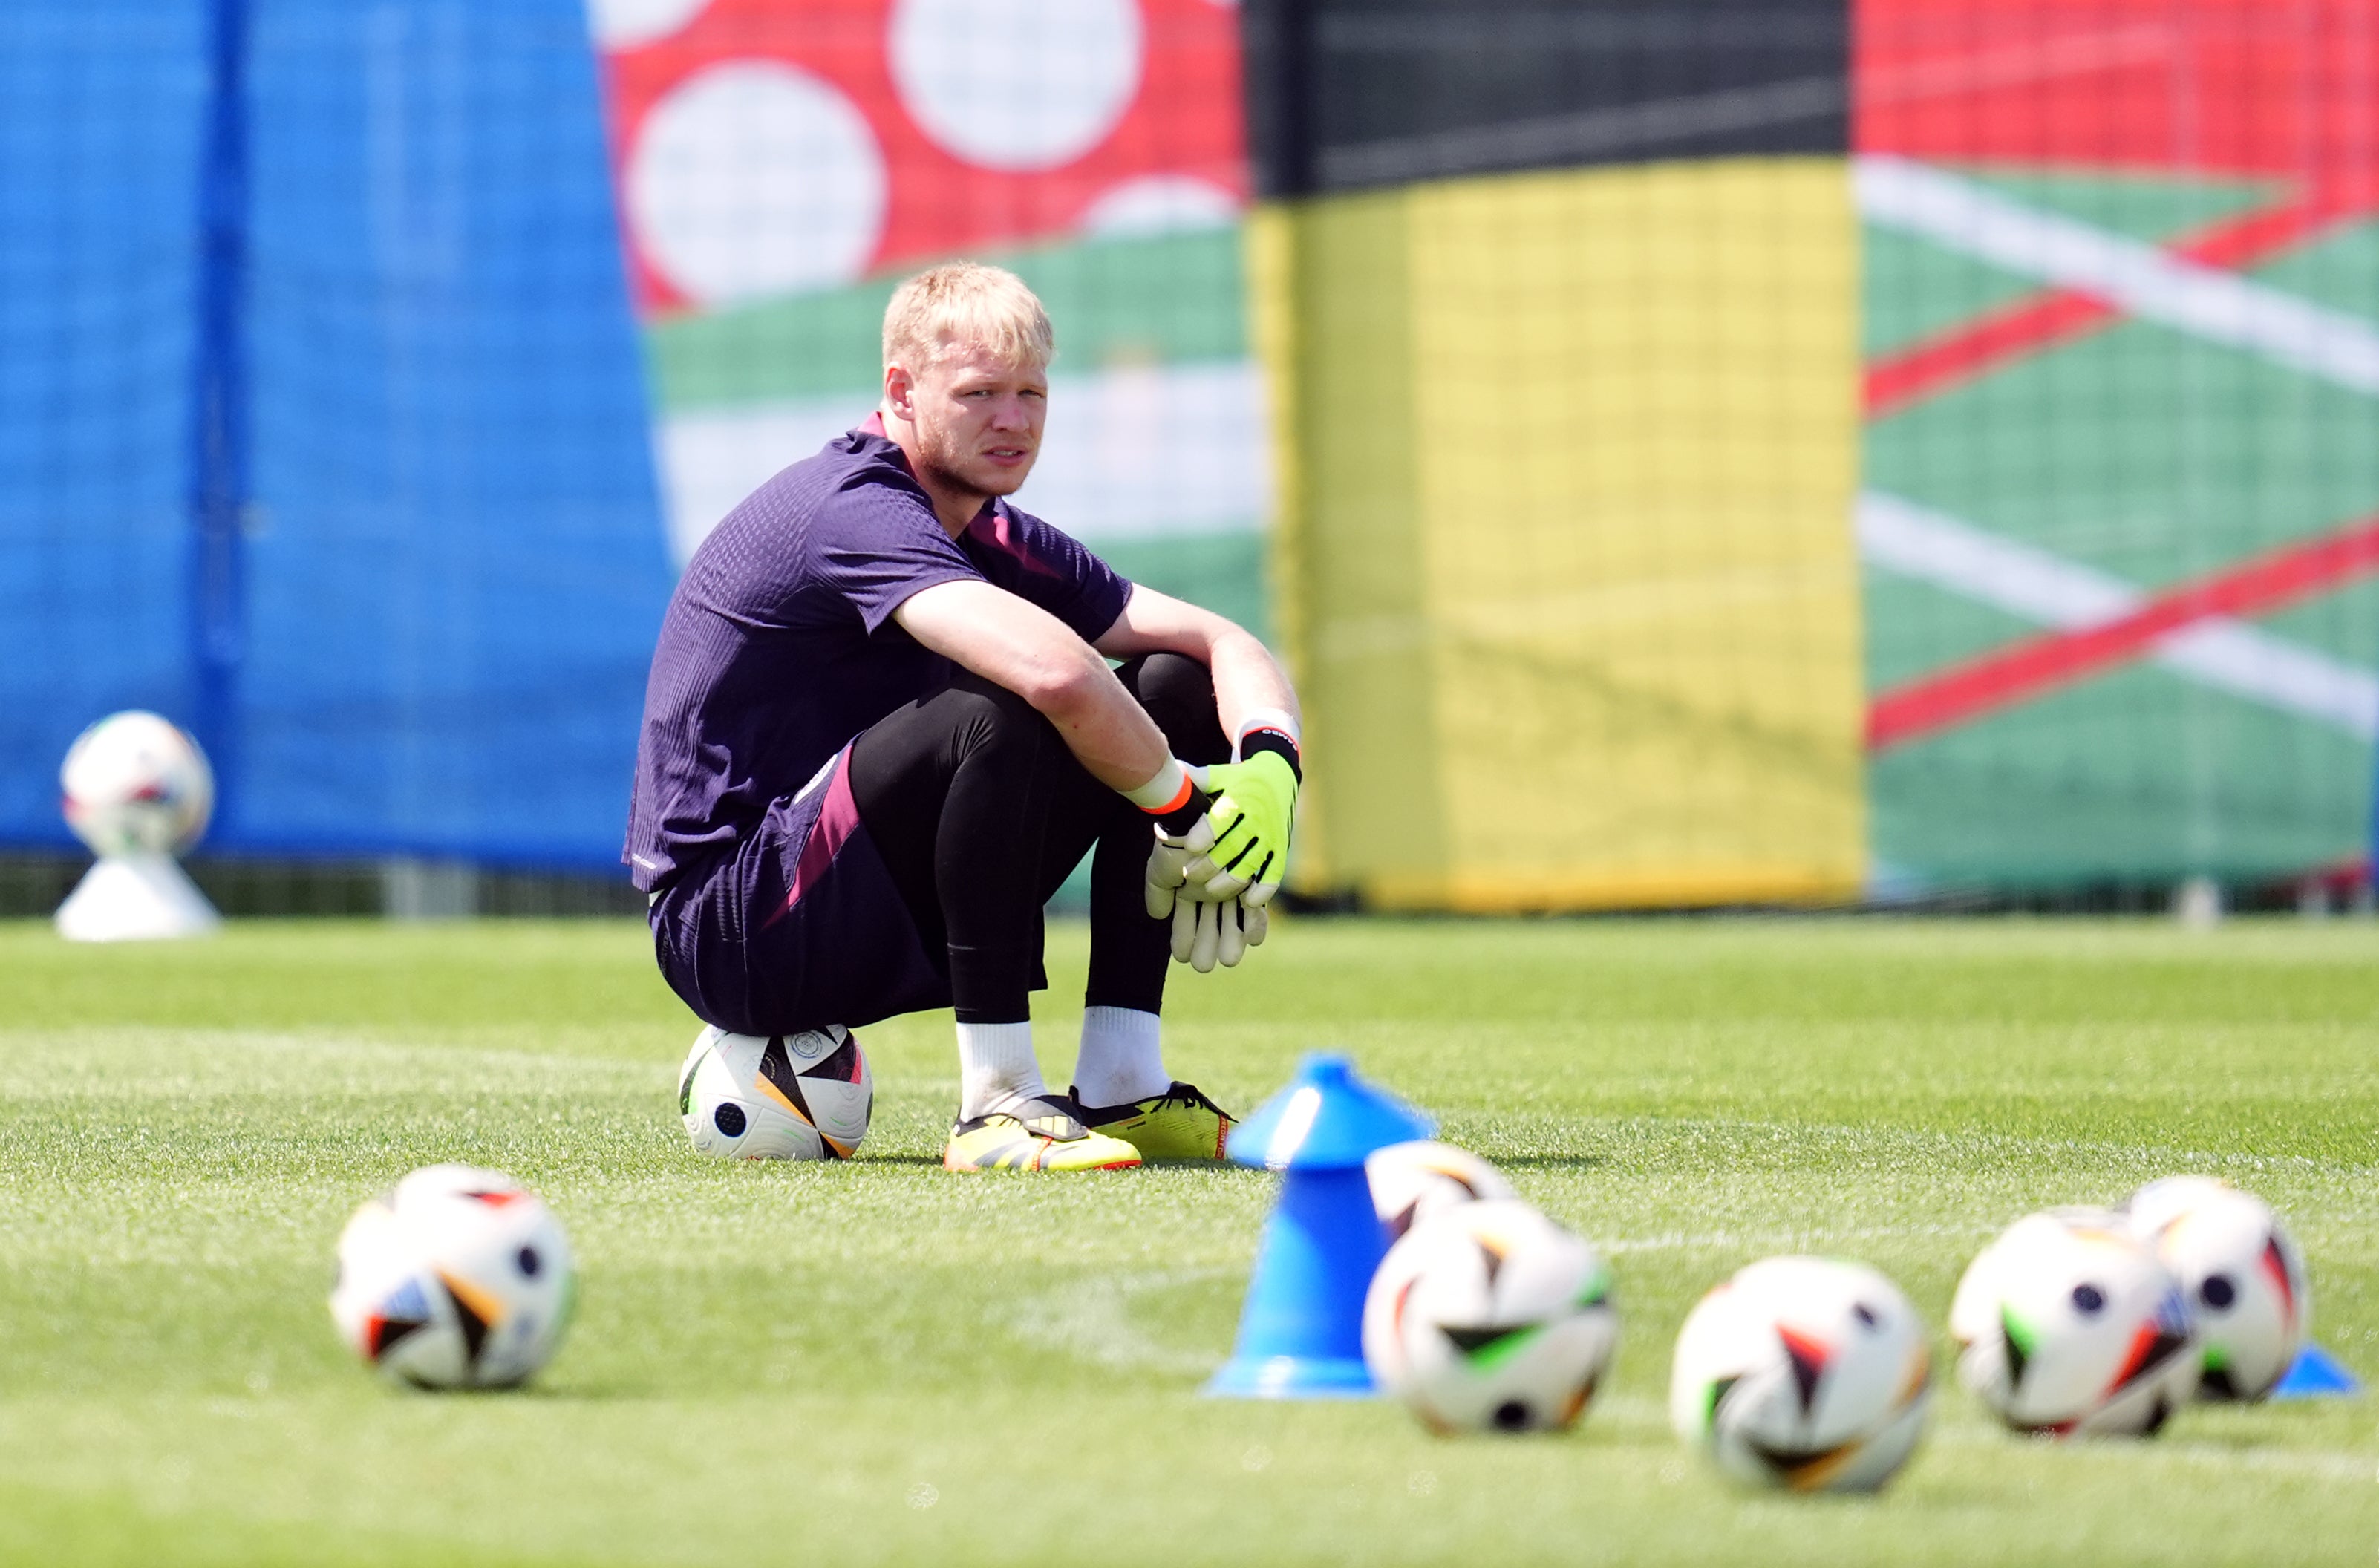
[(991, 708), (1178, 692), (991, 717)]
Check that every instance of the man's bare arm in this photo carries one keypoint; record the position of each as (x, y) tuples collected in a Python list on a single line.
[(1018, 644), (1247, 679)]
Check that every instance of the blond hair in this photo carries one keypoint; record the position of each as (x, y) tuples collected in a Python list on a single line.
[(965, 303)]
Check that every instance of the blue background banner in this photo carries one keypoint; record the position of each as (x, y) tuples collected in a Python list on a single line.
[(453, 556)]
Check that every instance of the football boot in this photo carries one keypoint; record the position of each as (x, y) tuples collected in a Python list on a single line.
[(1180, 1124), (1033, 1135)]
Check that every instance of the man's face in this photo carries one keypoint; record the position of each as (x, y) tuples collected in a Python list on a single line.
[(978, 419)]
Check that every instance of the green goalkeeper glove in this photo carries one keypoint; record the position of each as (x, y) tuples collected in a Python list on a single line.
[(1217, 862), (1253, 809)]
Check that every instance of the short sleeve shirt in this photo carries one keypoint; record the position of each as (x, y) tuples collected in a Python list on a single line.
[(779, 646)]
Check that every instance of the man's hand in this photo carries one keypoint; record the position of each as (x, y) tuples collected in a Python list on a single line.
[(1208, 934), (1205, 932), (1254, 806), (1169, 863)]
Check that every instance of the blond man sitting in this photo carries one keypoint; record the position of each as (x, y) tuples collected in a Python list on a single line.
[(882, 727)]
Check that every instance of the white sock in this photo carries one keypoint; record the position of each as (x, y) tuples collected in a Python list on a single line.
[(1122, 1058), (996, 1068)]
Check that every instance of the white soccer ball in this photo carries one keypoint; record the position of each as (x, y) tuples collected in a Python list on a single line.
[(2067, 1326), (1412, 1181), (804, 1096), (134, 783), (459, 1278), (2240, 1273), (1807, 1373), (1488, 1316)]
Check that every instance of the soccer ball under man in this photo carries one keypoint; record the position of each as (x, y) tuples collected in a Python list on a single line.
[(459, 1278), (2067, 1326), (2239, 1270), (805, 1096), (135, 784), (1807, 1373), (1489, 1315)]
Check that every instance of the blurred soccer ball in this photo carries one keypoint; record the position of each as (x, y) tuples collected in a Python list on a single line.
[(460, 1278), (133, 783), (2069, 1326), (1807, 1373), (1412, 1181), (805, 1096), (2240, 1272), (1488, 1316)]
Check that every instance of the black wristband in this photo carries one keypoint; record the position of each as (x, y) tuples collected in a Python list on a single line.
[(1256, 741), (1184, 818)]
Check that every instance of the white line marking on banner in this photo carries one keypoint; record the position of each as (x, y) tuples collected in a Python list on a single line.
[(2024, 580), (2140, 280)]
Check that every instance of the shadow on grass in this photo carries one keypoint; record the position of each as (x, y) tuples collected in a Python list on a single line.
[(1220, 1168)]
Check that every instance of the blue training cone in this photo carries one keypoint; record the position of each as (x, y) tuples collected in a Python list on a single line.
[(2316, 1374), (1301, 1332)]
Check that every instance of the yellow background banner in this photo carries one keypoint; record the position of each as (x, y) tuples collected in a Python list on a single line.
[(1565, 557)]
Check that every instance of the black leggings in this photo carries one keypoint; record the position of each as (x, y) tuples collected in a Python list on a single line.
[(980, 811)]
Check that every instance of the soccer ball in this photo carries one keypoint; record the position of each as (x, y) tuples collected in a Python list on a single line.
[(2069, 1326), (802, 1096), (1411, 1181), (2239, 1270), (1807, 1373), (1489, 1316), (135, 784), (459, 1278)]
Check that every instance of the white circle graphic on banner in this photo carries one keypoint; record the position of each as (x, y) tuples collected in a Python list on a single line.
[(1016, 84), (1159, 204), (630, 24), (755, 178)]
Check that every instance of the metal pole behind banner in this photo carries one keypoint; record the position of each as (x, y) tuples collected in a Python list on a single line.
[(219, 410)]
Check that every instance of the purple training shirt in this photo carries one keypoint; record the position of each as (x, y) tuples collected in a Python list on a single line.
[(780, 645)]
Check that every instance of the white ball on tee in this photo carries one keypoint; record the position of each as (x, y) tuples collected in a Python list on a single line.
[(135, 783)]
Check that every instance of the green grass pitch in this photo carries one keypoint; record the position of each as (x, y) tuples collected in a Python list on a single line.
[(878, 1362)]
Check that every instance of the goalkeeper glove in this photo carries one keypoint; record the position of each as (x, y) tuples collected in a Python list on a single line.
[(1254, 808), (1208, 934), (1177, 808), (1215, 851)]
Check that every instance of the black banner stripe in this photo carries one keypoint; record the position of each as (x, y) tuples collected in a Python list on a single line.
[(1354, 94)]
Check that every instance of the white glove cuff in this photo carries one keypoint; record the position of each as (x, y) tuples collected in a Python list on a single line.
[(1277, 719), (1166, 790)]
